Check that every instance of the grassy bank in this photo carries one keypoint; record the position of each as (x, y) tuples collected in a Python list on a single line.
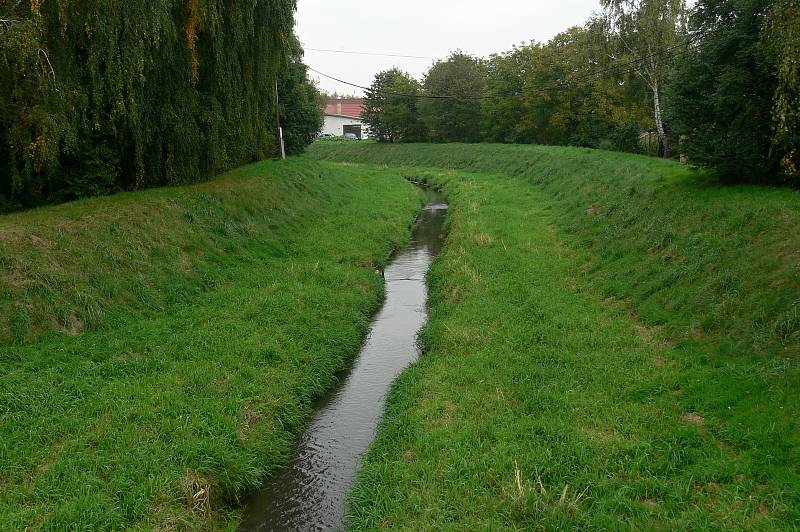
[(613, 344), (160, 349), (699, 258)]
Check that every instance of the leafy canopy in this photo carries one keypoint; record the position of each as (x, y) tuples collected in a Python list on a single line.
[(391, 107), (721, 94), (456, 119), (97, 96)]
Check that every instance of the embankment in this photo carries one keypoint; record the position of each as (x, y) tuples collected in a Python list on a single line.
[(161, 348), (613, 343)]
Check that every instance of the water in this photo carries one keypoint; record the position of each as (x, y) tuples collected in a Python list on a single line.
[(310, 493)]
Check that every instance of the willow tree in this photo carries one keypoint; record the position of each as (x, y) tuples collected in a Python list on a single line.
[(650, 33), (33, 125), (100, 95)]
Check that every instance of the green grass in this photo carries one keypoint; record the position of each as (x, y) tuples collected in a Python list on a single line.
[(613, 344), (161, 348)]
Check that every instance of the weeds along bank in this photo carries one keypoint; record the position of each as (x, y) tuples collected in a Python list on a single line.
[(163, 346), (612, 343)]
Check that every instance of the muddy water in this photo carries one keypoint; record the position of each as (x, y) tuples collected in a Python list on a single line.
[(310, 493)]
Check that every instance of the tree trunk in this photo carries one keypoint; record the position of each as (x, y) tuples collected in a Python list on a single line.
[(662, 132)]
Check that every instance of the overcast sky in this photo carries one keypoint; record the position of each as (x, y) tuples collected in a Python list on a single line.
[(428, 28)]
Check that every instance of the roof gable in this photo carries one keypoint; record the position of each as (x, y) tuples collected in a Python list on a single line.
[(352, 107)]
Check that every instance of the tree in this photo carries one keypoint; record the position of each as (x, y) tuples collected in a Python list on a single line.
[(783, 30), (300, 107), (457, 85), (649, 33), (97, 95), (721, 94), (33, 124), (564, 93), (391, 107), (506, 117)]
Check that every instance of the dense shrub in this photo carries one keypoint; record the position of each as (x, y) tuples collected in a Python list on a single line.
[(783, 29), (300, 104)]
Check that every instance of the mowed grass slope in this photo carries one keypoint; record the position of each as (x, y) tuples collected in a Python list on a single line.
[(163, 347), (613, 344), (698, 257)]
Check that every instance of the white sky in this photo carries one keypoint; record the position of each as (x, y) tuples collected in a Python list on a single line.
[(430, 28)]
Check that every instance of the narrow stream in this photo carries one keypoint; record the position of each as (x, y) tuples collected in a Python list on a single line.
[(310, 493)]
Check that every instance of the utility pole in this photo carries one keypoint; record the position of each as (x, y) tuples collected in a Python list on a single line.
[(278, 117)]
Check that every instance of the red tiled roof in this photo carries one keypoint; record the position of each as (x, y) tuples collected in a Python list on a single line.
[(352, 107)]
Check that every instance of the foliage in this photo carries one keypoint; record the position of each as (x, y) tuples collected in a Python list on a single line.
[(455, 115), (174, 89), (635, 316), (648, 34), (300, 105), (721, 95), (34, 127), (562, 92), (783, 30), (531, 101), (506, 118), (391, 107), (181, 339)]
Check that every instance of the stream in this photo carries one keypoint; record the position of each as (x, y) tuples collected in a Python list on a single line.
[(311, 491)]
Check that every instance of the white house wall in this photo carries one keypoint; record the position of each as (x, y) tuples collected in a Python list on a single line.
[(334, 125)]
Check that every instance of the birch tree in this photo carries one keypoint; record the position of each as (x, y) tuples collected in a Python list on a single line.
[(650, 33)]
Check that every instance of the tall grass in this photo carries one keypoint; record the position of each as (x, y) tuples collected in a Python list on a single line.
[(163, 347), (613, 344), (691, 254)]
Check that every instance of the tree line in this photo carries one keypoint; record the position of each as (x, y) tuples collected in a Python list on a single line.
[(105, 95), (718, 82)]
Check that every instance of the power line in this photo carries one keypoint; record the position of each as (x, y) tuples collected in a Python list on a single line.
[(378, 54), (388, 93), (562, 84)]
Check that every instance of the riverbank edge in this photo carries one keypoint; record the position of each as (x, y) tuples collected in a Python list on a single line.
[(217, 511)]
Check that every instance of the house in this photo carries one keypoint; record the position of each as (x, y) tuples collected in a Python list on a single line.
[(343, 116)]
